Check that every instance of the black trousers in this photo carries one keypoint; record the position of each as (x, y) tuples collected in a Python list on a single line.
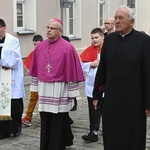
[(94, 114), (56, 132), (11, 126)]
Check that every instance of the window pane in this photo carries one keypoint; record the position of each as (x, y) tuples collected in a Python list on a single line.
[(101, 11), (19, 15), (131, 3), (71, 11), (19, 8), (71, 26), (101, 22), (71, 19), (101, 14), (19, 21)]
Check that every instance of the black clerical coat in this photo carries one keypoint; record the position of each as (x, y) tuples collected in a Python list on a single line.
[(125, 71)]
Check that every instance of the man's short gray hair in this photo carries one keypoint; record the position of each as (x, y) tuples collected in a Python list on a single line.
[(60, 26), (131, 12)]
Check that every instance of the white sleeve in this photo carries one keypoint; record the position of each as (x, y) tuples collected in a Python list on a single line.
[(86, 67), (11, 54), (34, 84), (73, 89)]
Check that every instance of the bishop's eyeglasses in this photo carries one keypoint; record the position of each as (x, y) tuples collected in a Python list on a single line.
[(52, 28)]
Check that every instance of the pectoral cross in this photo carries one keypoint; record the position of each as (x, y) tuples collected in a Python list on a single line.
[(48, 67)]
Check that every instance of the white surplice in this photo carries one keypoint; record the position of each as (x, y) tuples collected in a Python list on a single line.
[(11, 82), (11, 58), (90, 77)]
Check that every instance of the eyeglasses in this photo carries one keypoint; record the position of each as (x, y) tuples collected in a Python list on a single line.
[(107, 23), (52, 28)]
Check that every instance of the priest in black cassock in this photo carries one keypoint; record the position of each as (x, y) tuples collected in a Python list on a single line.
[(124, 69)]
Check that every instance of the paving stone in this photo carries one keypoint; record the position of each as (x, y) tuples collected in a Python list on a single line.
[(29, 139)]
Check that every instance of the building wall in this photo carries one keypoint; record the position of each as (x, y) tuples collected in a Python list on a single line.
[(112, 7), (143, 16), (6, 11), (89, 19), (45, 11)]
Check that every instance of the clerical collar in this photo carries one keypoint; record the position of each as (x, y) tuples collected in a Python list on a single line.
[(54, 41), (2, 39), (123, 35)]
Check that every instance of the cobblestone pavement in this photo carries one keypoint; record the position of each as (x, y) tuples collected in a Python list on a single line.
[(29, 139)]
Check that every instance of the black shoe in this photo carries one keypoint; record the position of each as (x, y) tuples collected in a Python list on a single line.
[(18, 131), (4, 136), (91, 137)]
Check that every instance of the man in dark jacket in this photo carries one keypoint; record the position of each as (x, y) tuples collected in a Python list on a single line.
[(125, 71)]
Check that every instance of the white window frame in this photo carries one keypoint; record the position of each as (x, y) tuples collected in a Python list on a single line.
[(29, 16), (101, 19), (76, 20)]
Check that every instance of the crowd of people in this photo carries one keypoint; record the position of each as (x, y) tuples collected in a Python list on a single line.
[(115, 68)]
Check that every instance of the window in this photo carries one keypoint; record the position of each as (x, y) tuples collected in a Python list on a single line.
[(24, 16), (19, 14), (73, 19), (101, 12), (131, 3)]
